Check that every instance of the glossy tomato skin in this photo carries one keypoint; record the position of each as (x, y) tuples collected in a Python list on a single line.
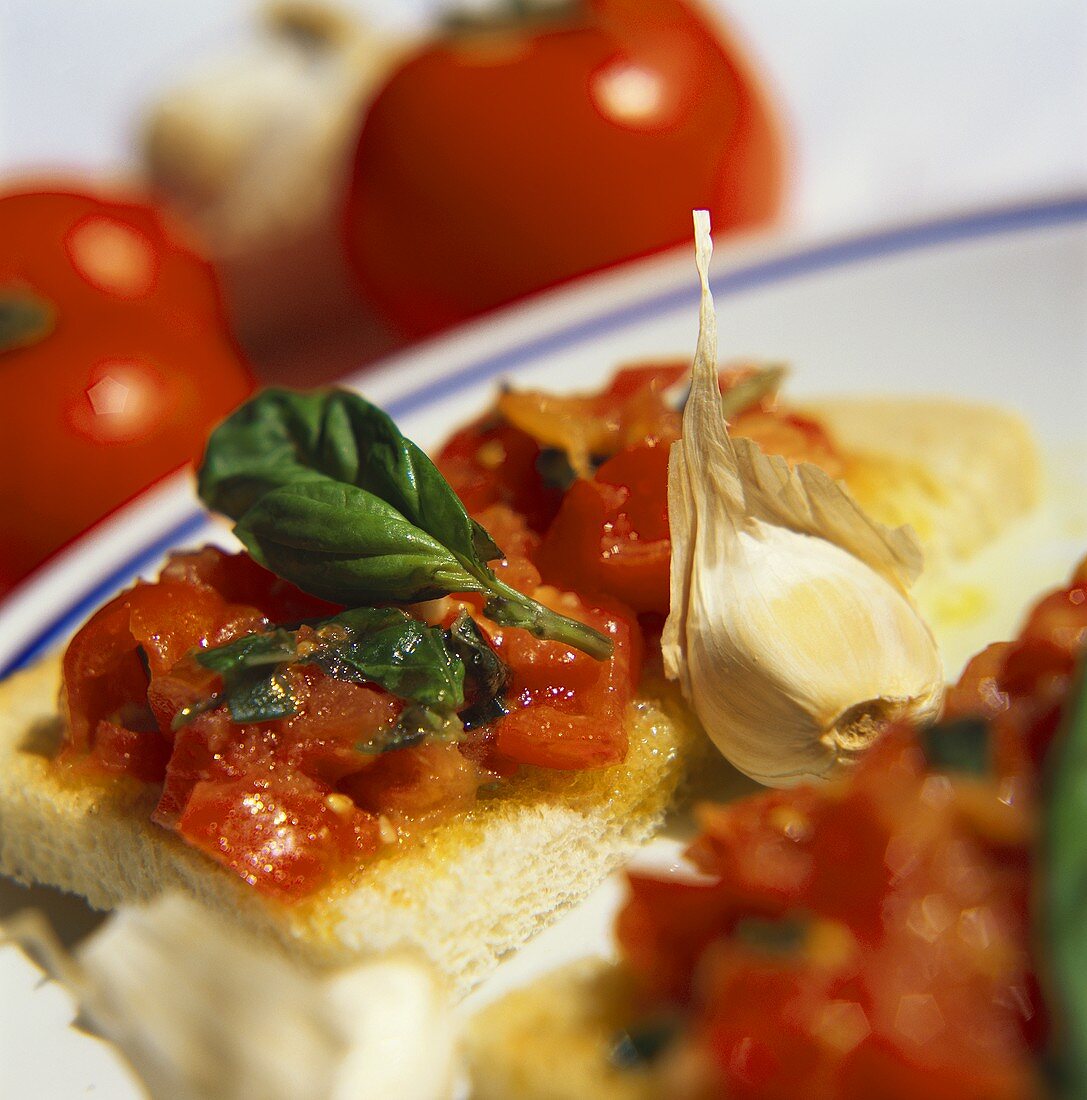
[(611, 533), (135, 368), (493, 164)]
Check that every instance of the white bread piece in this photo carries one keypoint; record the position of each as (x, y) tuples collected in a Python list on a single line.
[(957, 472), (465, 894)]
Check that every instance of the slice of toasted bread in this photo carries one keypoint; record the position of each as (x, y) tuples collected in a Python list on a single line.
[(572, 1018), (479, 886), (466, 893), (956, 472)]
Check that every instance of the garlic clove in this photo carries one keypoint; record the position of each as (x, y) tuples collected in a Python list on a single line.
[(255, 145), (792, 632), (204, 1011)]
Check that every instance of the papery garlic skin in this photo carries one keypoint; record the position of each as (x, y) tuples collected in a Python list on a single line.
[(791, 629)]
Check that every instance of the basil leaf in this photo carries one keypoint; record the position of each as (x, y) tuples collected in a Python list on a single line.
[(384, 646), (415, 724), (269, 442), (348, 546), (254, 687), (485, 674), (362, 445), (328, 494), (1064, 897), (282, 437)]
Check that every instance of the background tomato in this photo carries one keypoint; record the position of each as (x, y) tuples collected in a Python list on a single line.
[(494, 163), (114, 362)]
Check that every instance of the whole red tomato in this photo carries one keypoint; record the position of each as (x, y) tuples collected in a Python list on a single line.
[(114, 362), (497, 162)]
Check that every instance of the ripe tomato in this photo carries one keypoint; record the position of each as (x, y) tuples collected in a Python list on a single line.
[(114, 361), (502, 161)]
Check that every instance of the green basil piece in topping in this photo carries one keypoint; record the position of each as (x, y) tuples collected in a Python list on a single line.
[(254, 688), (486, 677), (382, 645), (415, 724), (1063, 925), (958, 745), (328, 494)]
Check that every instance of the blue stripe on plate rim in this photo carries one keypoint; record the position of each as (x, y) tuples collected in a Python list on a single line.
[(779, 269)]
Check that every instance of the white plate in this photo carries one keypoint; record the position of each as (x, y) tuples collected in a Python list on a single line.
[(988, 305)]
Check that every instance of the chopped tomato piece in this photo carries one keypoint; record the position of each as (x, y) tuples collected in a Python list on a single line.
[(568, 711), (141, 753), (491, 462), (289, 802), (611, 533), (416, 786), (284, 837)]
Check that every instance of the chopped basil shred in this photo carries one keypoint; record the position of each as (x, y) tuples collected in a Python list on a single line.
[(1064, 894), (387, 647), (251, 668), (327, 493), (959, 745), (486, 677), (642, 1044), (776, 937), (439, 673), (415, 724)]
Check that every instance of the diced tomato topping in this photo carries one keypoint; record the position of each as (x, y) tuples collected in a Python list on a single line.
[(142, 754), (490, 462), (610, 534), (908, 971), (289, 803), (140, 704), (416, 787)]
